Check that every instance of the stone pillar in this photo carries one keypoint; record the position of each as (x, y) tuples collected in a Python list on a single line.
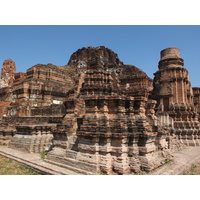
[(108, 156), (97, 154), (134, 154), (121, 106), (124, 156), (8, 72), (33, 141)]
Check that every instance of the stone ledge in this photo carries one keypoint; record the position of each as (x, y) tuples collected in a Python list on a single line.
[(182, 162), (35, 162)]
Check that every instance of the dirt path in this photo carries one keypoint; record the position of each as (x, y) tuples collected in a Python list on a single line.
[(181, 162)]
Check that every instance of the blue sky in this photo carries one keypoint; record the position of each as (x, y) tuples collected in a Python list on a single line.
[(136, 45)]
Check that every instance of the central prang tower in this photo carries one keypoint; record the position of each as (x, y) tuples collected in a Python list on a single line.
[(174, 95)]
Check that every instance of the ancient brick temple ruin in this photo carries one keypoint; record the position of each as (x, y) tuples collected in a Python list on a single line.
[(97, 115)]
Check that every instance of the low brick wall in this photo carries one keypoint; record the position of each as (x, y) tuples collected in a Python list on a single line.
[(30, 120)]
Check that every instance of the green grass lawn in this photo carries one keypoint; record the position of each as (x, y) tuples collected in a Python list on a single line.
[(10, 167)]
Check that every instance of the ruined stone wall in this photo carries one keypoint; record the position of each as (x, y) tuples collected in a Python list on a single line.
[(41, 86), (49, 72), (6, 94), (52, 110), (39, 93), (134, 81), (5, 100), (30, 134), (19, 78), (32, 138)]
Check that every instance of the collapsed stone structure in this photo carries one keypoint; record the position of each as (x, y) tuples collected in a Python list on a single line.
[(97, 115)]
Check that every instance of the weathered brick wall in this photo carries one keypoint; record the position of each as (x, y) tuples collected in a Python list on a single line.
[(19, 78), (196, 91), (30, 120), (53, 110)]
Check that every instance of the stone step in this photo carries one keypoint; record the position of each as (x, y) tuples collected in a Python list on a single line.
[(35, 162), (71, 168), (30, 164), (72, 164)]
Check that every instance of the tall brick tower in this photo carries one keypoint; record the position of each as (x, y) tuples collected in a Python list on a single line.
[(171, 82), (174, 95), (8, 72)]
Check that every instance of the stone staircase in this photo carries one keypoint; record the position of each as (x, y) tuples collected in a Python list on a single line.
[(72, 163), (34, 161)]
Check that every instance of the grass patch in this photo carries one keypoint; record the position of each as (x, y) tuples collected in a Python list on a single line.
[(167, 161), (10, 167), (43, 154)]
